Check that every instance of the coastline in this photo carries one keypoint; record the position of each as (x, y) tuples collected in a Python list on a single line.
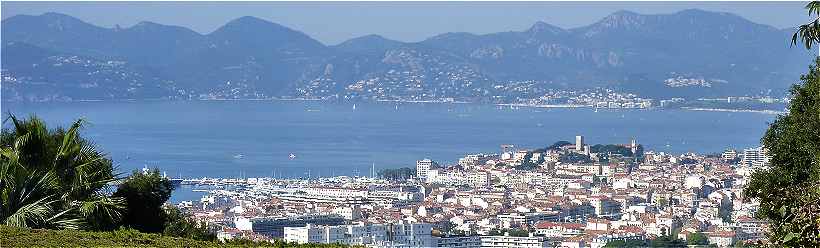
[(772, 112), (543, 106)]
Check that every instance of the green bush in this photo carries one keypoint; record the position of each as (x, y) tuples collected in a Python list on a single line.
[(145, 193), (184, 226), (22, 237), (697, 238), (626, 243)]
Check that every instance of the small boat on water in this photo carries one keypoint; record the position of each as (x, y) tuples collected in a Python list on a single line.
[(354, 106), (238, 156)]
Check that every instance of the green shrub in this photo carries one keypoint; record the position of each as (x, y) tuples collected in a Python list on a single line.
[(145, 193), (22, 237)]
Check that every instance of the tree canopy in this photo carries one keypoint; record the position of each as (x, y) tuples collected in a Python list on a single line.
[(697, 238), (146, 192), (395, 174), (629, 243), (571, 157), (789, 189)]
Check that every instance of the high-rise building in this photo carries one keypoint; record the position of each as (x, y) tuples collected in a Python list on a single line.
[(755, 157), (579, 143), (423, 167), (634, 147)]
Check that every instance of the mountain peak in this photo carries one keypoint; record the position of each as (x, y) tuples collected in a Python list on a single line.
[(51, 21), (56, 15), (254, 34), (622, 19), (543, 27), (624, 13), (52, 18), (697, 12), (249, 20), (367, 42), (250, 24), (373, 37), (162, 29), (148, 23)]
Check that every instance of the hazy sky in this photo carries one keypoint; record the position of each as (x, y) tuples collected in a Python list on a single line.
[(334, 22)]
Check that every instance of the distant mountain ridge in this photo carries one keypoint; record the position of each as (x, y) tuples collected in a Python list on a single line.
[(249, 57)]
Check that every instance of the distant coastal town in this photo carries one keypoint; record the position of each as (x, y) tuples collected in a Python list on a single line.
[(567, 194)]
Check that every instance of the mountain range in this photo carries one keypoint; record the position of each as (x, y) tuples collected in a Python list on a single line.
[(691, 53)]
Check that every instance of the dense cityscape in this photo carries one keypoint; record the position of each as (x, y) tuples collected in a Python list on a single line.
[(565, 195)]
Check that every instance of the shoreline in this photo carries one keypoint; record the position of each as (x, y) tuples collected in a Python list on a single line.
[(541, 106), (773, 112), (549, 105)]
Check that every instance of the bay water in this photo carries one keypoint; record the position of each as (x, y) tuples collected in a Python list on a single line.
[(232, 139)]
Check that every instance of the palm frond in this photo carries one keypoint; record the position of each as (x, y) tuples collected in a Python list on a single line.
[(36, 213), (809, 33), (55, 179), (813, 8)]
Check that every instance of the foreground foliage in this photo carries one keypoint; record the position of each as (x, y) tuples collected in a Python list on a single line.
[(184, 226), (663, 241), (789, 190), (146, 192), (54, 179), (21, 237)]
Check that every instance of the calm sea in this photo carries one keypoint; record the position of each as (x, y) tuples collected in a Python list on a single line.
[(257, 138)]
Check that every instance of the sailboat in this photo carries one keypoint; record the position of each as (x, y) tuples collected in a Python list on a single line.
[(354, 107)]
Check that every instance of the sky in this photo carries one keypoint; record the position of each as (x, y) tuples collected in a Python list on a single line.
[(334, 22)]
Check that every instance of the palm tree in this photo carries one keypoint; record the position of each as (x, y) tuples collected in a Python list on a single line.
[(54, 179), (809, 33)]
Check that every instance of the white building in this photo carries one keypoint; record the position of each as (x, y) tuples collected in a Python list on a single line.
[(477, 179), (579, 143), (519, 155), (460, 242), (510, 241), (423, 166), (315, 234), (471, 160), (755, 157), (349, 213), (401, 234), (729, 154)]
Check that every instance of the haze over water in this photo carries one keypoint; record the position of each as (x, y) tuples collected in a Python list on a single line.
[(255, 138)]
